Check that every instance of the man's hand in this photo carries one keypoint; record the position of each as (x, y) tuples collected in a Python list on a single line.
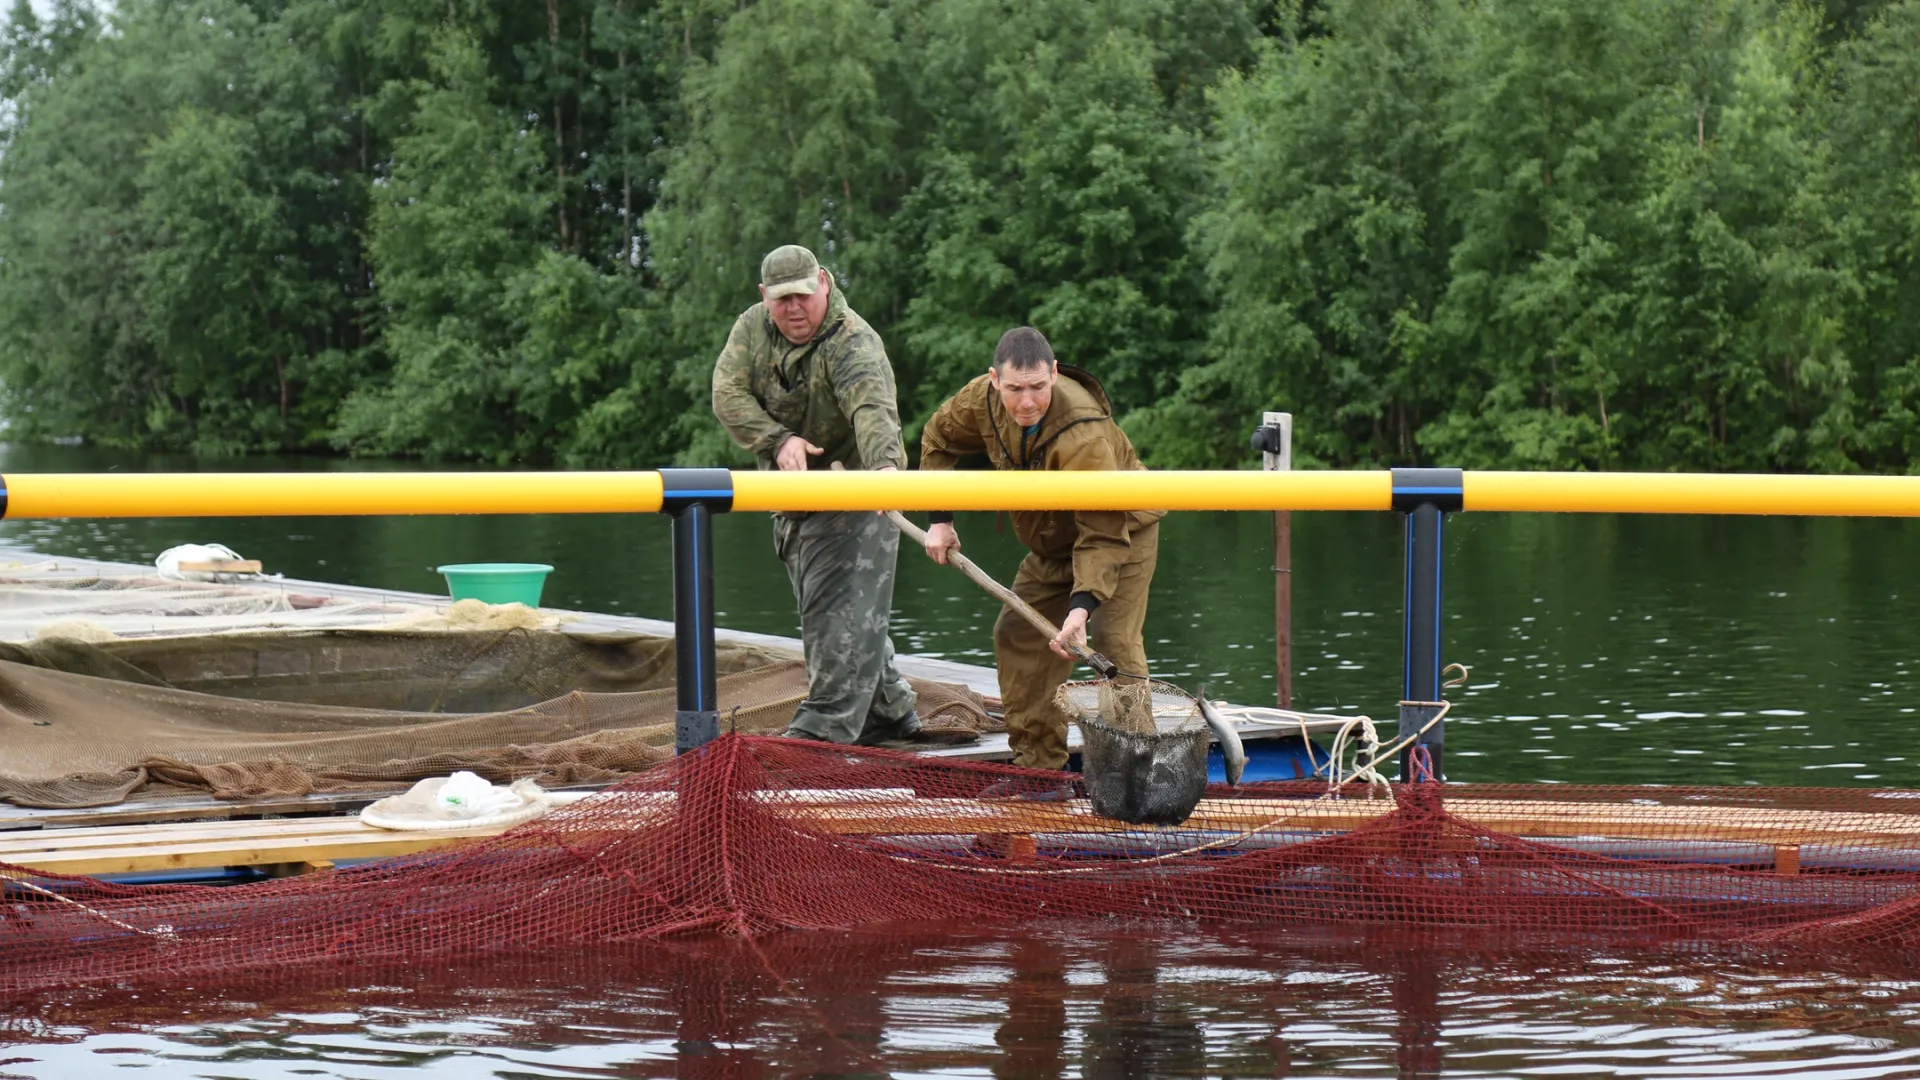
[(942, 542), (1073, 631), (793, 454)]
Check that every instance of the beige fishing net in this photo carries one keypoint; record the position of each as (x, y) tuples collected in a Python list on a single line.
[(95, 602), (290, 713)]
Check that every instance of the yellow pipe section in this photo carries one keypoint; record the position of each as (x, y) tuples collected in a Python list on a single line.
[(1694, 493), (139, 495), (111, 495), (989, 490)]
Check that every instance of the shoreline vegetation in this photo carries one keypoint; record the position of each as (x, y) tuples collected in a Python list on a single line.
[(1635, 235)]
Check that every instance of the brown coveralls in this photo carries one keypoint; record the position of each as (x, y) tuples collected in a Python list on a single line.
[(1108, 555)]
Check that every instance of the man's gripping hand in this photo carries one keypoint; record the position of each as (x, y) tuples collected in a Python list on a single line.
[(942, 542), (1073, 632)]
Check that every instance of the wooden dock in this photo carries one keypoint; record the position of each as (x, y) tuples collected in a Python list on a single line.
[(242, 818)]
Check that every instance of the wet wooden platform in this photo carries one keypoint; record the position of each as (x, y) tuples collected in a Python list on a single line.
[(180, 808)]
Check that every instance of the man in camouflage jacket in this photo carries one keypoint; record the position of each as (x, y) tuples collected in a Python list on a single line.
[(804, 383), (1083, 567)]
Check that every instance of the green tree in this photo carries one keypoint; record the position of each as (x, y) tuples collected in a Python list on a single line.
[(1060, 200), (34, 50), (1877, 160), (1325, 243), (1546, 142), (168, 212), (463, 213), (1741, 277), (791, 139)]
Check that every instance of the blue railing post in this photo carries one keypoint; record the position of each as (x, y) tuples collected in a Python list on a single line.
[(1425, 496), (693, 496)]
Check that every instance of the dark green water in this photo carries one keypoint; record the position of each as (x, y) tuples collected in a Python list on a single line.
[(1604, 648)]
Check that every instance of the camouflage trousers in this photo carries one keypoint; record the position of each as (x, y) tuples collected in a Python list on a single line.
[(1030, 672), (841, 566)]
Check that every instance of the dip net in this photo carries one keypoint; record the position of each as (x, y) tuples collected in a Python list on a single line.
[(752, 836), (1144, 749)]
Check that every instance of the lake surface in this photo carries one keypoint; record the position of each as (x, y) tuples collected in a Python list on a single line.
[(1050, 1002), (1604, 649)]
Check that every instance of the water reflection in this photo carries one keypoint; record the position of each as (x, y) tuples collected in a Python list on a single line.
[(1033, 1037), (1140, 1030), (1057, 1001)]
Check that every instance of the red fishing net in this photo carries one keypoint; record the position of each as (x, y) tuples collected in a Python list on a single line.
[(755, 835)]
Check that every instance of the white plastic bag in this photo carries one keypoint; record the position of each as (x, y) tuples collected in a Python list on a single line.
[(170, 560), (466, 795)]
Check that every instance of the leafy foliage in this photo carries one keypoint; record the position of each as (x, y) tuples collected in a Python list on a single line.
[(1650, 234)]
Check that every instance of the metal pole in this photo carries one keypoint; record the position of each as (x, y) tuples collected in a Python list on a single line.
[(251, 495), (693, 496), (696, 720), (1425, 496), (1281, 460)]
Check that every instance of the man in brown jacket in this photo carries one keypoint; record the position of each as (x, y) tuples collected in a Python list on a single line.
[(1085, 570)]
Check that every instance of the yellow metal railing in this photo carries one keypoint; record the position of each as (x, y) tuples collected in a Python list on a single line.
[(104, 495)]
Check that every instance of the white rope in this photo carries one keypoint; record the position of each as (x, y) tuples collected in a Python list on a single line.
[(1274, 717), (1392, 749), (1351, 734), (1445, 706)]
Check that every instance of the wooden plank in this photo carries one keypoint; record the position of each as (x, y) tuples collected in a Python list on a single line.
[(222, 566), (1704, 823), (19, 845), (137, 848), (201, 808), (296, 869), (181, 808), (139, 858), (1510, 817)]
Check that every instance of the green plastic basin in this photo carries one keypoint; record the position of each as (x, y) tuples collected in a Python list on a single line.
[(497, 582)]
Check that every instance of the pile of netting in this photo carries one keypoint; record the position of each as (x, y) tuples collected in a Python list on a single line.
[(41, 598), (755, 835), (291, 713)]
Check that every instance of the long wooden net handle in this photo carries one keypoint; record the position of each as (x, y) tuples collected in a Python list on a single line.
[(1100, 664), (1025, 610)]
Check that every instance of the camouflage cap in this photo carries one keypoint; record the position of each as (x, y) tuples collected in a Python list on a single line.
[(788, 270)]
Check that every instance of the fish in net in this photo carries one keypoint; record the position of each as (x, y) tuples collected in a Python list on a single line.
[(1143, 748)]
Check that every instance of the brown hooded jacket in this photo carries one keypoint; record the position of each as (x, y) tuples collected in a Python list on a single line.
[(1077, 432)]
